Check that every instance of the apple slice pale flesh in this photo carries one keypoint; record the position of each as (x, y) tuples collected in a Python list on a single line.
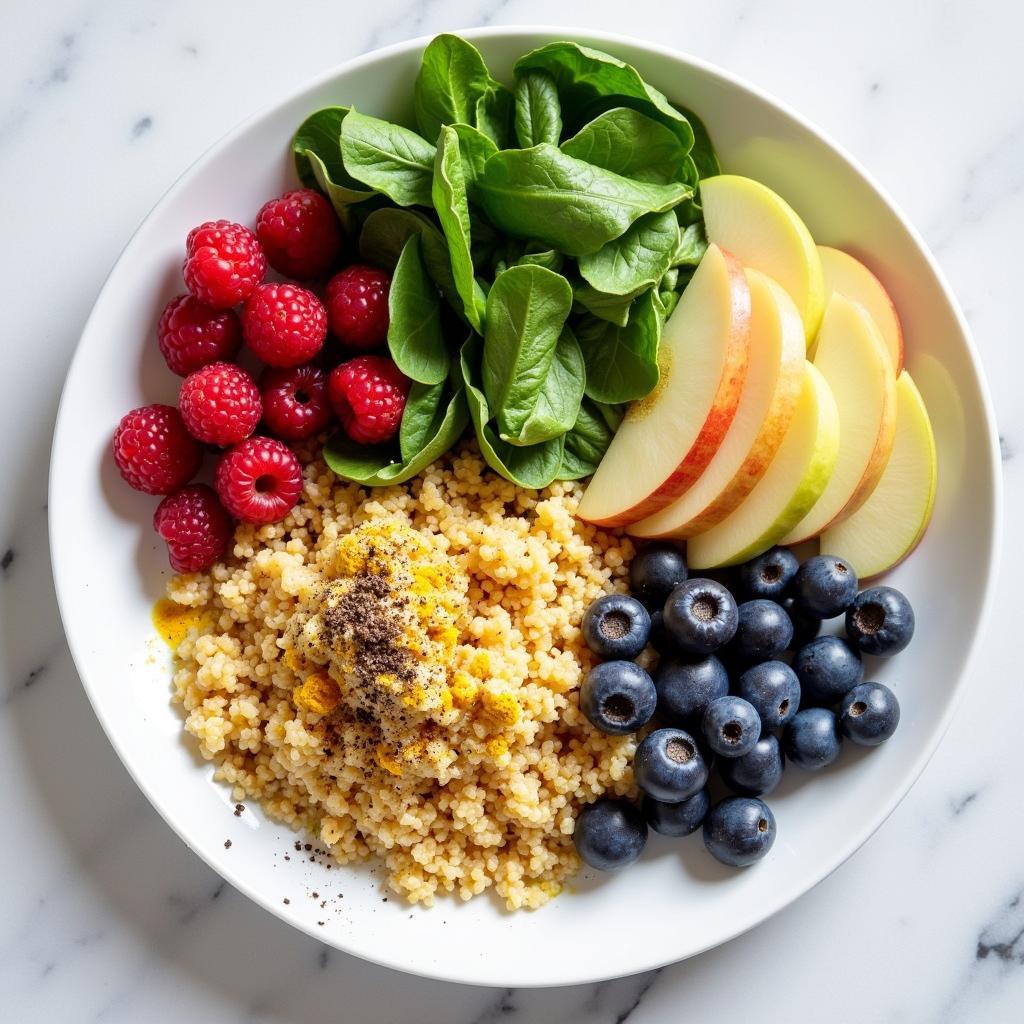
[(853, 358), (774, 376), (851, 278), (667, 439), (891, 523), (763, 231), (796, 477)]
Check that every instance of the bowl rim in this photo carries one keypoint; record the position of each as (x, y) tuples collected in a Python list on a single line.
[(611, 39)]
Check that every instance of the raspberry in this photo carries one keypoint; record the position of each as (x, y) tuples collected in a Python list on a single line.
[(295, 402), (357, 306), (368, 395), (299, 233), (192, 335), (154, 451), (283, 324), (223, 263), (195, 526), (259, 480), (220, 404)]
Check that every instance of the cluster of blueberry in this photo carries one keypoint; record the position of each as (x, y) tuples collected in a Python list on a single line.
[(724, 697)]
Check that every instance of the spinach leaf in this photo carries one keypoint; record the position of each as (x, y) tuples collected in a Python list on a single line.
[(669, 281), (451, 82), (384, 236), (622, 362), (691, 247), (494, 113), (585, 76), (558, 401), (418, 418), (415, 338), (636, 259), (626, 142), (533, 467), (316, 149), (487, 245), (703, 152), (377, 467), (546, 258), (388, 157), (476, 149), (586, 443), (538, 112), (667, 300), (449, 197), (570, 205), (613, 308), (526, 309), (611, 414)]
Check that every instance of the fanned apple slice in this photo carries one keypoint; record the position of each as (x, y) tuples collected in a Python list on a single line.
[(796, 477), (774, 376), (667, 439), (763, 231), (853, 358), (851, 278), (891, 523)]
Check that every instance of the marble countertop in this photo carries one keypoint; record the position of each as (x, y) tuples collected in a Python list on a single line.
[(106, 915)]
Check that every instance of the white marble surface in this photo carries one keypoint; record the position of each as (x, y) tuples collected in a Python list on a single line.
[(106, 915)]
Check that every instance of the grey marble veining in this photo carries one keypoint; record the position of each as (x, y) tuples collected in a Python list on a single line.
[(107, 915)]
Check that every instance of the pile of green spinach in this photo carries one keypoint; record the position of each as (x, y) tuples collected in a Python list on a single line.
[(538, 239)]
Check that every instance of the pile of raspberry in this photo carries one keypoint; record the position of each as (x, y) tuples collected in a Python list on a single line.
[(287, 389)]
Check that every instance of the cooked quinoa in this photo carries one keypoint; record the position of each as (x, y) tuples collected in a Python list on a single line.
[(460, 758)]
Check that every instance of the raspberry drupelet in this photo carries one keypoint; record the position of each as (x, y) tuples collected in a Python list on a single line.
[(357, 306), (154, 451), (368, 395), (299, 234), (223, 263), (191, 335)]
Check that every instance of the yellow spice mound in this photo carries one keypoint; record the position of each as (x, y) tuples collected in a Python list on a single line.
[(397, 670)]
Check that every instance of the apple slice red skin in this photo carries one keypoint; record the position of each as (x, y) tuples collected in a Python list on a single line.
[(717, 423)]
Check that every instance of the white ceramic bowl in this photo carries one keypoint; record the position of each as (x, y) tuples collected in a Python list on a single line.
[(109, 566)]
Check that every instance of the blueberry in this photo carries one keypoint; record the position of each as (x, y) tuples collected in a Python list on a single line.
[(610, 834), (880, 621), (659, 639), (618, 697), (773, 689), (739, 831), (731, 726), (668, 766), (764, 630), (828, 668), (769, 574), (656, 571), (679, 819), (805, 627), (758, 771), (616, 626), (686, 686), (812, 739), (701, 616), (825, 586), (869, 714)]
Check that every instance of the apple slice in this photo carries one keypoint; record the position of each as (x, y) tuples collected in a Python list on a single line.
[(774, 376), (852, 356), (762, 231), (851, 278), (667, 439), (890, 524), (796, 477)]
